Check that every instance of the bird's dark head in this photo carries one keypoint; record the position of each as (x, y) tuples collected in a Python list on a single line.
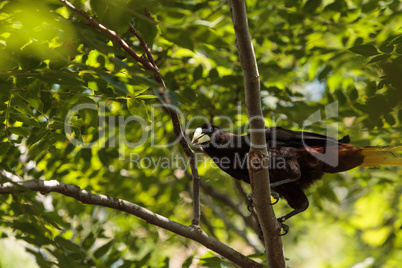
[(203, 134)]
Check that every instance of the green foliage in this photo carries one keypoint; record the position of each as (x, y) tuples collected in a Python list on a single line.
[(310, 54)]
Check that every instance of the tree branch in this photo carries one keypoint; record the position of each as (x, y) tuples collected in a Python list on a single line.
[(149, 64), (87, 197), (258, 156)]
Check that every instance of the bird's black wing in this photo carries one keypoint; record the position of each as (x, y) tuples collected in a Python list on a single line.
[(277, 136)]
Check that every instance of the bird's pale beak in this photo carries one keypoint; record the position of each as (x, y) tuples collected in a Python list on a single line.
[(200, 137)]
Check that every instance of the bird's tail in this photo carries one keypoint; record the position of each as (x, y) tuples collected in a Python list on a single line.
[(382, 156)]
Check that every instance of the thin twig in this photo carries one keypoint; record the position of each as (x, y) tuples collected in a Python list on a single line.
[(150, 58)]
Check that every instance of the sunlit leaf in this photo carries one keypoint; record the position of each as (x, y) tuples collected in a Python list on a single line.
[(145, 97)]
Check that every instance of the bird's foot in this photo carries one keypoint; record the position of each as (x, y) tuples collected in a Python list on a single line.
[(284, 227), (250, 202), (275, 195), (250, 206), (260, 235)]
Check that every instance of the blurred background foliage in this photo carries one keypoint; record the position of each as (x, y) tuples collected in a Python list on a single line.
[(310, 54)]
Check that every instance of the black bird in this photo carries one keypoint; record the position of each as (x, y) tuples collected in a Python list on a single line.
[(297, 159)]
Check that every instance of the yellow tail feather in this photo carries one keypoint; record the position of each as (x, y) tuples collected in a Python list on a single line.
[(382, 156)]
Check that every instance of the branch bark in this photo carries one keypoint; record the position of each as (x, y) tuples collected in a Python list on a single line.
[(87, 197), (149, 64), (258, 155)]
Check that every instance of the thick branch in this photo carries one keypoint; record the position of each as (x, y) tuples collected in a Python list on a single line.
[(149, 64), (87, 197), (258, 156)]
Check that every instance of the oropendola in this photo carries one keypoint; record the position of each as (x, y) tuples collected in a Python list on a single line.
[(297, 159)]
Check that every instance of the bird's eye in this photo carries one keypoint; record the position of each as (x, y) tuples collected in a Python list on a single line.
[(211, 129)]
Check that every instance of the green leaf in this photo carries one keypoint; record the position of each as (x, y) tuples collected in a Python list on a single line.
[(354, 94), (7, 61), (58, 137), (337, 5), (197, 74), (211, 262), (324, 73), (169, 97), (379, 58), (35, 103), (21, 105), (51, 219), (66, 244), (25, 119), (63, 78), (389, 118), (189, 94), (89, 116), (145, 81), (89, 241), (365, 50), (386, 47), (115, 82), (100, 252), (19, 131), (138, 92), (145, 97), (4, 147), (213, 74), (187, 263), (178, 37), (398, 49), (34, 88), (77, 122), (340, 96), (114, 256), (311, 5), (397, 40), (7, 168), (138, 108), (103, 157), (147, 30)]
